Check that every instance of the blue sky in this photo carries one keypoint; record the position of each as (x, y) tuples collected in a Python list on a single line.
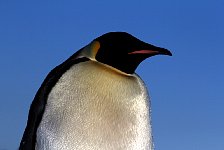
[(186, 89)]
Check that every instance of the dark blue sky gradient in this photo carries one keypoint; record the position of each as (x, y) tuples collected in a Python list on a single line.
[(187, 89)]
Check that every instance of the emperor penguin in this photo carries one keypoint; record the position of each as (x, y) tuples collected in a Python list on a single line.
[(94, 100)]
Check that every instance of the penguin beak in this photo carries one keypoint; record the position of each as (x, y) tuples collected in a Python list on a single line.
[(148, 50), (155, 51)]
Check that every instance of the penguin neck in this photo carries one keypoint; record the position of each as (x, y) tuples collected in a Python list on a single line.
[(116, 70)]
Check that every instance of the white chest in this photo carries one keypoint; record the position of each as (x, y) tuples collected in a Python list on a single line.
[(96, 108)]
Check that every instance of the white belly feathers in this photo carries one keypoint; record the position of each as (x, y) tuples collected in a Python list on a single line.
[(95, 108)]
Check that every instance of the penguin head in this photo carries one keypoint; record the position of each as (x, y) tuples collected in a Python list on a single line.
[(122, 51)]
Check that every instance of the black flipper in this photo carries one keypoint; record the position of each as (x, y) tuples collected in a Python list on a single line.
[(38, 105)]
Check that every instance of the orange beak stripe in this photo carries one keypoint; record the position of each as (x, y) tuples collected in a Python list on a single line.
[(144, 52)]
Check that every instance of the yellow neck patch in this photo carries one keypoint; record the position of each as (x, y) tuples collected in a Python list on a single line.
[(95, 46), (90, 50)]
